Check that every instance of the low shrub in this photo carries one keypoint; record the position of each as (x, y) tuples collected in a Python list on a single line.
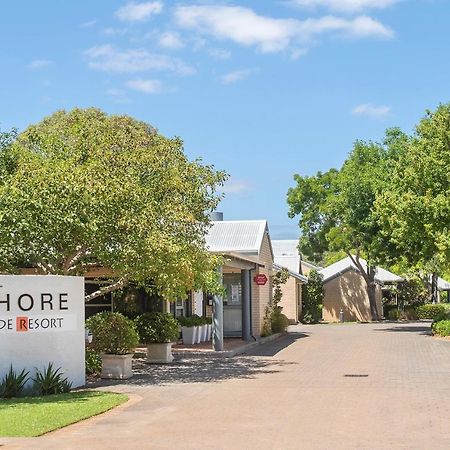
[(93, 362), (438, 311), (279, 322), (13, 383), (112, 333), (191, 321), (410, 313), (51, 381), (441, 328), (393, 314), (157, 328)]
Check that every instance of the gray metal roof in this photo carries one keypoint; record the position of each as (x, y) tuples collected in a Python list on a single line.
[(285, 247), (240, 236), (286, 254), (292, 273), (382, 275)]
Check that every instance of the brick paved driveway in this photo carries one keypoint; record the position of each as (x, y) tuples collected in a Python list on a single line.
[(355, 386)]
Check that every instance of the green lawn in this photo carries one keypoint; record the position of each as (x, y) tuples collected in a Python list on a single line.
[(33, 416)]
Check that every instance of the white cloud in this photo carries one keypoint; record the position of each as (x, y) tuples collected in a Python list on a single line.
[(171, 40), (145, 86), (138, 12), (38, 64), (372, 111), (243, 26), (345, 5), (118, 95), (298, 53), (219, 53), (236, 75), (110, 59), (236, 187), (88, 24)]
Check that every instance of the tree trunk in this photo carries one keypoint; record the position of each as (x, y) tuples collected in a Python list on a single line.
[(368, 273), (371, 293), (434, 287)]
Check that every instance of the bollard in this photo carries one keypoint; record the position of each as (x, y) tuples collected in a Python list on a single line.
[(341, 315)]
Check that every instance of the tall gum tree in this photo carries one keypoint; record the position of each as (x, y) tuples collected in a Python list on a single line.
[(414, 209), (84, 189), (336, 209)]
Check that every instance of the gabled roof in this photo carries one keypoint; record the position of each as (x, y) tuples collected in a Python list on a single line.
[(382, 276), (286, 254), (311, 265), (292, 273), (240, 236), (443, 285)]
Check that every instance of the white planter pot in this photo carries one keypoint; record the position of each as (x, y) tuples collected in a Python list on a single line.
[(189, 335), (198, 335), (118, 367), (159, 353), (204, 332), (208, 338)]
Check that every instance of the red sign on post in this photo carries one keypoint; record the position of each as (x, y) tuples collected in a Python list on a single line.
[(260, 279)]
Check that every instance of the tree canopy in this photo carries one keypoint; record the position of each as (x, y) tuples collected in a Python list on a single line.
[(389, 202), (83, 189)]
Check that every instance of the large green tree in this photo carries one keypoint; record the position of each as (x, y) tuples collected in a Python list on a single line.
[(336, 209), (414, 209), (83, 189)]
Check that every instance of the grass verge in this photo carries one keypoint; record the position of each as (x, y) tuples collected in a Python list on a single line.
[(34, 416)]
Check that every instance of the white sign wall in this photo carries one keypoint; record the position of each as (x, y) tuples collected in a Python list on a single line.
[(42, 321)]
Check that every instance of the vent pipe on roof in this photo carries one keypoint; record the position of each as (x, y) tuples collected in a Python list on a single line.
[(217, 216)]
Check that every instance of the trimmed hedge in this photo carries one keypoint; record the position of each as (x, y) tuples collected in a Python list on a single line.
[(436, 312), (441, 328)]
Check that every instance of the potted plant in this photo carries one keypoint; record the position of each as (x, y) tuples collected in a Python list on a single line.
[(198, 323), (114, 336), (158, 331), (208, 321), (188, 330)]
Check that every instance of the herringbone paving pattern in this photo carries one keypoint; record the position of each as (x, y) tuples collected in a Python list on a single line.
[(350, 386)]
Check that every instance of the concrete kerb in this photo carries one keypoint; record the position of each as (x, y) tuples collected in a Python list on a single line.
[(235, 351)]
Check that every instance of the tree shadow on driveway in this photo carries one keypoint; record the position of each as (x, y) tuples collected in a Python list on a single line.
[(196, 369), (272, 348), (423, 330)]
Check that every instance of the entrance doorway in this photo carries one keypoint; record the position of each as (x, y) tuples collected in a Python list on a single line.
[(232, 305)]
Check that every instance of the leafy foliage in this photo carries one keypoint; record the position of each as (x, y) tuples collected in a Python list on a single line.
[(93, 362), (274, 320), (82, 189), (441, 328), (313, 293), (13, 383), (157, 327), (415, 209), (440, 311), (51, 381), (112, 333)]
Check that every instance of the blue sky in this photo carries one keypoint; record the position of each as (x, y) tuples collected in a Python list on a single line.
[(261, 90)]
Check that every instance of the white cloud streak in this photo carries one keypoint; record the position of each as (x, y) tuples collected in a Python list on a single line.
[(110, 59), (244, 27), (139, 12), (171, 40), (145, 86), (347, 6), (38, 64), (236, 187), (372, 111), (236, 75)]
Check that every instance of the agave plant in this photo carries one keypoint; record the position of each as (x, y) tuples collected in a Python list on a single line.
[(13, 383), (51, 381)]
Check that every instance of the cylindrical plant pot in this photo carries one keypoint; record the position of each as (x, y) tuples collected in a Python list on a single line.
[(159, 353), (189, 335), (199, 334), (117, 367), (209, 331), (204, 330)]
